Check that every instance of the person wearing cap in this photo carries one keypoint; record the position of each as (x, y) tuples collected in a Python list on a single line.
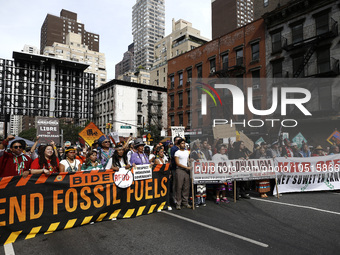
[(295, 149), (70, 164), (14, 163), (139, 157), (274, 150), (119, 159), (318, 151), (105, 151)]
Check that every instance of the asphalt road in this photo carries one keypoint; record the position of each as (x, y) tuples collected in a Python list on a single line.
[(305, 223)]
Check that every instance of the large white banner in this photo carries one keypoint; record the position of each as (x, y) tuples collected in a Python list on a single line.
[(308, 174), (240, 170)]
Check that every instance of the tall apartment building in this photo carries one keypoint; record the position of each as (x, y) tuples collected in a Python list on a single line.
[(55, 29), (183, 38), (228, 15), (74, 50), (263, 6), (148, 26), (126, 65)]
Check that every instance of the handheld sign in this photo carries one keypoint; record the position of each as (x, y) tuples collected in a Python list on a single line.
[(123, 178)]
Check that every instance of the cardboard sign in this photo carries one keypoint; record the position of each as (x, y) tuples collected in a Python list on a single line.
[(247, 142), (334, 138), (91, 133), (47, 130), (177, 131), (224, 131), (115, 136), (142, 172)]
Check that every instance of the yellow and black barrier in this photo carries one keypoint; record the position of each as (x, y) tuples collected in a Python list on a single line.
[(41, 204)]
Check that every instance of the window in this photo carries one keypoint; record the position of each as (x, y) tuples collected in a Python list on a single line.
[(240, 81), (239, 57), (149, 95), (297, 33), (172, 81), (172, 120), (139, 94), (159, 96), (199, 118), (256, 79), (189, 75), (323, 60), (325, 98), (212, 65), (322, 24), (180, 79), (265, 3), (199, 71), (139, 107), (277, 69), (255, 51), (276, 42), (189, 96), (180, 99), (225, 60), (172, 101), (297, 63), (139, 119), (189, 119), (180, 119), (157, 72)]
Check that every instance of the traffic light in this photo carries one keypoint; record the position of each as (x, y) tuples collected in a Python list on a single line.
[(108, 125)]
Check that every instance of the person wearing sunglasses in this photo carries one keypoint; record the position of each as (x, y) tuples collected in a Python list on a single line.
[(14, 162), (105, 151)]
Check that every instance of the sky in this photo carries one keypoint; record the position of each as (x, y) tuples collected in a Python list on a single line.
[(21, 21)]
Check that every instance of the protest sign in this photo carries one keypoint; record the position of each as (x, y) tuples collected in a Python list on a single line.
[(177, 131), (308, 174), (259, 141), (47, 130), (299, 139), (224, 131), (142, 172), (42, 204), (240, 170), (90, 133), (249, 144), (334, 138)]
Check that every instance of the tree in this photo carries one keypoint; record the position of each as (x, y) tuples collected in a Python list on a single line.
[(29, 134), (70, 131)]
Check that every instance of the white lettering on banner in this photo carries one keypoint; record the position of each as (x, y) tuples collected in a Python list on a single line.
[(308, 174), (219, 172), (142, 172)]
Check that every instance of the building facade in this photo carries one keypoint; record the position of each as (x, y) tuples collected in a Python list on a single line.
[(55, 29), (148, 26), (74, 50), (303, 42), (228, 15), (183, 38), (127, 64), (264, 6), (130, 107), (238, 56), (141, 76)]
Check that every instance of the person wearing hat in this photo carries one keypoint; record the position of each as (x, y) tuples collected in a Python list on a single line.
[(318, 151), (70, 164), (14, 162), (105, 151), (295, 149), (139, 157), (274, 151)]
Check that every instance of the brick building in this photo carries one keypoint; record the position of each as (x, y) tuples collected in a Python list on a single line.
[(238, 56)]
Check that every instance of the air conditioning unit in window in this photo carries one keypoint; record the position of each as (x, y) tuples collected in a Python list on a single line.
[(256, 86), (212, 70)]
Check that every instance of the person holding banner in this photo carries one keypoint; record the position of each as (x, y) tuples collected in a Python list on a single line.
[(15, 162), (139, 157), (70, 164), (91, 162), (182, 176), (262, 186), (105, 151), (119, 159), (46, 163), (318, 152)]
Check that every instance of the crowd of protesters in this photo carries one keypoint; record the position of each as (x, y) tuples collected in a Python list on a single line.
[(105, 154)]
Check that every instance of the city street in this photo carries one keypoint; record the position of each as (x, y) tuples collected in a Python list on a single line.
[(296, 224)]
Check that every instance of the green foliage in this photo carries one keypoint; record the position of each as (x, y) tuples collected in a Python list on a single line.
[(70, 131), (29, 134)]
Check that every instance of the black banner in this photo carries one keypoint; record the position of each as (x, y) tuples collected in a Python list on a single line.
[(44, 204)]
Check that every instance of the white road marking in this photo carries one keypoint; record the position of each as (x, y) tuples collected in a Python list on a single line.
[(300, 206), (218, 230), (9, 249)]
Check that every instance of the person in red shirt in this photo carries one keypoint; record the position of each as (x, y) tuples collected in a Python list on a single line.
[(15, 162), (47, 162)]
